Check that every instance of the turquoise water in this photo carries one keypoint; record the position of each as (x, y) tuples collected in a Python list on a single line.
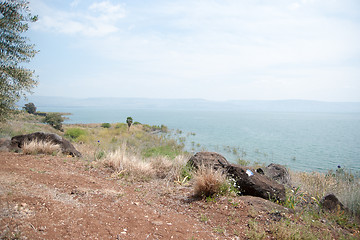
[(302, 141)]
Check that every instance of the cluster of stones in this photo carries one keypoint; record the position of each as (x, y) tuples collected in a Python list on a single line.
[(268, 182)]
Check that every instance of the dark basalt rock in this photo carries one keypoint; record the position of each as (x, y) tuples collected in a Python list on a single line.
[(255, 184), (17, 142), (331, 203), (248, 181), (279, 173), (208, 159)]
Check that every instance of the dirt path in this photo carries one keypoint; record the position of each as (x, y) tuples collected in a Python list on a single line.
[(47, 197)]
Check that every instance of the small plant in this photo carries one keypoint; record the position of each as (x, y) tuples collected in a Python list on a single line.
[(242, 162), (106, 125), (203, 218), (219, 230), (293, 198)]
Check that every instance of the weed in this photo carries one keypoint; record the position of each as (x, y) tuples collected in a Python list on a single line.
[(294, 197), (219, 230), (203, 218), (242, 162)]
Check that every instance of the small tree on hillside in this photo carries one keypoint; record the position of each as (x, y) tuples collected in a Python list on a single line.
[(30, 108), (15, 50), (129, 122), (55, 120)]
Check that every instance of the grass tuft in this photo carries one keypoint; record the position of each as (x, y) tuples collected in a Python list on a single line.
[(209, 182), (125, 163), (41, 147)]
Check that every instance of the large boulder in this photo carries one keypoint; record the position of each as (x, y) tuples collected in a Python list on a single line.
[(279, 173), (208, 159), (248, 181), (17, 142), (255, 184)]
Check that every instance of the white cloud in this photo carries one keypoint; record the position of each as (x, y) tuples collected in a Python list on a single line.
[(241, 49), (99, 20)]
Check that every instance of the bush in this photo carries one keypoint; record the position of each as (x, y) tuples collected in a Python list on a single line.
[(30, 108), (55, 120), (106, 125), (75, 133)]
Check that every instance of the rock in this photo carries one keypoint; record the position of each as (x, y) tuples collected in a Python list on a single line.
[(331, 203), (255, 184), (208, 159), (249, 181), (278, 173), (4, 144), (66, 147)]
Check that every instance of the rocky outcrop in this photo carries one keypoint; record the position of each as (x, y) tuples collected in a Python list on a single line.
[(255, 184), (66, 147), (208, 159), (279, 173), (248, 181)]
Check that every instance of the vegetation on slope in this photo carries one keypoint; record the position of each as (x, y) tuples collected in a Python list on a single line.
[(145, 153)]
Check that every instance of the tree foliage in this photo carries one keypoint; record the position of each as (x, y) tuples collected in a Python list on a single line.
[(15, 50), (55, 120), (129, 121), (30, 108)]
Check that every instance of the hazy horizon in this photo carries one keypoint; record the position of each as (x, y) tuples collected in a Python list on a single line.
[(55, 103)]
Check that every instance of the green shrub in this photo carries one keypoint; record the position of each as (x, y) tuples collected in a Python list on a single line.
[(106, 125), (75, 133), (55, 120), (30, 108)]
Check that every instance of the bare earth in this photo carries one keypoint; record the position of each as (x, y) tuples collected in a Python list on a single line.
[(56, 197)]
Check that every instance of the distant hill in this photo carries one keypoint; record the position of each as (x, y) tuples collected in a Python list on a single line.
[(196, 104)]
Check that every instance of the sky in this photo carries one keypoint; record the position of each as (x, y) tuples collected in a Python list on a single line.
[(210, 49)]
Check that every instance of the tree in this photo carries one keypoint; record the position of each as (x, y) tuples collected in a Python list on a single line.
[(30, 108), (55, 120), (129, 122), (15, 79)]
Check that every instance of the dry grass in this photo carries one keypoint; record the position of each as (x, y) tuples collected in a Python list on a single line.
[(41, 147), (341, 183), (126, 163), (208, 182)]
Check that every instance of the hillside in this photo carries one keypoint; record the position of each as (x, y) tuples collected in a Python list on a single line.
[(60, 197)]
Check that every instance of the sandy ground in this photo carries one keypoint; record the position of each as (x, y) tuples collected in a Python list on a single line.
[(56, 197)]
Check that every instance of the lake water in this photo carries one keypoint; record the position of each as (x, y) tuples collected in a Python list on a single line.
[(302, 141)]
